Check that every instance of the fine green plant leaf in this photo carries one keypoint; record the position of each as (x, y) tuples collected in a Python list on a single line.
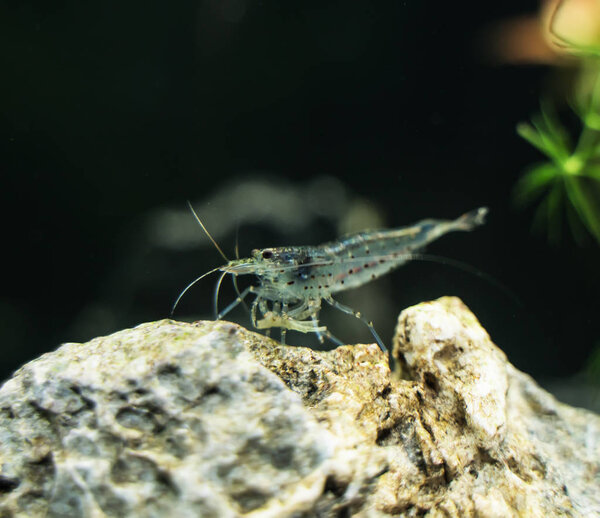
[(578, 231), (531, 135), (586, 99), (534, 182), (592, 171), (583, 200), (554, 132), (570, 179)]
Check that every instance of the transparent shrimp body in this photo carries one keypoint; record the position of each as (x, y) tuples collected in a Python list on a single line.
[(293, 281)]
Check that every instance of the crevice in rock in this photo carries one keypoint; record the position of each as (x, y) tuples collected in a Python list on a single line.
[(8, 485), (431, 382), (335, 486)]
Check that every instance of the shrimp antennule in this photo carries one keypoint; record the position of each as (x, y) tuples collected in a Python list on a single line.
[(197, 279), (212, 240)]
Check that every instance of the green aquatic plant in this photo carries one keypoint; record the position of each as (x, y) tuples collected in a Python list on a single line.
[(568, 181), (570, 178)]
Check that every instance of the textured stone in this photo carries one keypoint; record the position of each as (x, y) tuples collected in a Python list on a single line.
[(208, 419), (507, 447)]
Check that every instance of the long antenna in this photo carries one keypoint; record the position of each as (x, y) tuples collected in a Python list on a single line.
[(206, 231), (237, 256), (216, 296), (234, 279), (189, 286), (237, 241)]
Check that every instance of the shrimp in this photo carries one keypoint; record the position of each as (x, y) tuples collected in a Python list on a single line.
[(293, 281)]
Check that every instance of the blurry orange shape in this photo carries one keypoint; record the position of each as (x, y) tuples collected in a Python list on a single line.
[(575, 25), (521, 40), (560, 30)]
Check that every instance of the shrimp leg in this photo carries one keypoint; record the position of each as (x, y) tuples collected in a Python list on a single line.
[(238, 299), (320, 332), (333, 338), (283, 330), (253, 311), (315, 322), (358, 315)]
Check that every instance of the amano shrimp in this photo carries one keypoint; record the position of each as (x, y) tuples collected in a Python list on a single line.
[(294, 280)]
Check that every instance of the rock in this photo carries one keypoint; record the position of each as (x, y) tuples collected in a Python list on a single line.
[(507, 447), (208, 419)]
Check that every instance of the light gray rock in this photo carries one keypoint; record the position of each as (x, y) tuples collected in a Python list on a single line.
[(507, 447), (208, 419)]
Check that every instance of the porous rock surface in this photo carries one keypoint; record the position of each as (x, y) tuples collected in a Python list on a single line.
[(211, 420)]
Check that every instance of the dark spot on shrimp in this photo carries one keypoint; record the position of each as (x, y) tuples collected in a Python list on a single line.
[(367, 251), (381, 261), (267, 254), (305, 287), (342, 281), (366, 265), (350, 272), (373, 276), (312, 276), (290, 283)]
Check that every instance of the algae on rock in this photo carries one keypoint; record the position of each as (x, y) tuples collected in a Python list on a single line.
[(209, 419)]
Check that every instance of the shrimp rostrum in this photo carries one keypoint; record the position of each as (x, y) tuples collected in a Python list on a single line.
[(293, 281)]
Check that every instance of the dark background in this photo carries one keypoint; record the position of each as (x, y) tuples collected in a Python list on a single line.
[(112, 109)]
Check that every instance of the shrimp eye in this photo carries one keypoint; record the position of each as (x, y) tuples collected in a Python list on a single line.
[(267, 254)]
